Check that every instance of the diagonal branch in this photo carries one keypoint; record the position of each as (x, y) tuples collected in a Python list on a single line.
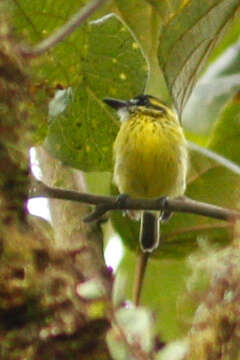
[(106, 203), (75, 21)]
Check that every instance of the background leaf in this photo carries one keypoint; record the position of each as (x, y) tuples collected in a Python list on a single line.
[(212, 92), (187, 40), (146, 22), (168, 8), (227, 131), (35, 20), (164, 283)]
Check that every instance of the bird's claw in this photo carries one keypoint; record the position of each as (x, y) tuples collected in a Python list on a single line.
[(121, 200)]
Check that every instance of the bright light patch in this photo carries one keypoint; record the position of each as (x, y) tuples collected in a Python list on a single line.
[(39, 207), (114, 252), (35, 164)]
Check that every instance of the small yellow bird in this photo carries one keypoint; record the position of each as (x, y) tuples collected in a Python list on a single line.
[(150, 157)]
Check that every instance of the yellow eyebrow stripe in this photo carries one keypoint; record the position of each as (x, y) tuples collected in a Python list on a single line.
[(155, 102)]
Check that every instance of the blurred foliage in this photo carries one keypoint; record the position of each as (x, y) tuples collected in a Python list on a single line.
[(126, 48), (216, 323), (226, 131), (186, 41), (213, 91), (164, 286)]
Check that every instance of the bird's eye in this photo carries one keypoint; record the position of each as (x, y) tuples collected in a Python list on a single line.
[(140, 100)]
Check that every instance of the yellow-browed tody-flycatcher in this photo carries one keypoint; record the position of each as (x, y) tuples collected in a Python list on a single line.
[(150, 157)]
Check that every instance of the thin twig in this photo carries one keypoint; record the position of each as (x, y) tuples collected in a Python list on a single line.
[(75, 21), (141, 265), (220, 160), (99, 211), (106, 203)]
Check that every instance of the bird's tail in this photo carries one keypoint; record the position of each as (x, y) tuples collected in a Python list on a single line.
[(149, 231)]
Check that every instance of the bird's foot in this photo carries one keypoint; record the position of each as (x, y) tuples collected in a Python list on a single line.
[(163, 201), (165, 214), (121, 200)]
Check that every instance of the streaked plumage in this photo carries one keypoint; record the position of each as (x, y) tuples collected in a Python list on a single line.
[(150, 154)]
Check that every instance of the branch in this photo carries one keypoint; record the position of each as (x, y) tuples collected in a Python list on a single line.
[(106, 203), (221, 160), (75, 21)]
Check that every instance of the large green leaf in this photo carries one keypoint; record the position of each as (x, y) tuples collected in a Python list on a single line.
[(138, 18), (215, 88), (100, 59), (229, 39), (168, 8), (36, 20), (164, 283), (188, 39), (111, 65), (145, 22), (226, 133)]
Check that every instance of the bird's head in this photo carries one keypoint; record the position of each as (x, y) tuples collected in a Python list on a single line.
[(143, 104)]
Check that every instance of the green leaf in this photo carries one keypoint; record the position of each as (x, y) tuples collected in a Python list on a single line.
[(164, 283), (36, 20), (168, 8), (229, 39), (98, 60), (226, 133), (146, 22), (213, 91), (138, 18), (187, 40), (111, 65)]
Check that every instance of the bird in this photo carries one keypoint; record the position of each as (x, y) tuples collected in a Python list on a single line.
[(150, 158)]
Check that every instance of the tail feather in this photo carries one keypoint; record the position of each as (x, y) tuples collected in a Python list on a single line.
[(149, 231)]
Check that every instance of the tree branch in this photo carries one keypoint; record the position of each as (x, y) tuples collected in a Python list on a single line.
[(106, 203), (75, 21)]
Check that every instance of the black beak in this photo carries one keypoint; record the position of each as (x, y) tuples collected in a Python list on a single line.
[(115, 103)]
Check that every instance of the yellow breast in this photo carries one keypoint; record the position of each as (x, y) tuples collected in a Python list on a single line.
[(150, 158)]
